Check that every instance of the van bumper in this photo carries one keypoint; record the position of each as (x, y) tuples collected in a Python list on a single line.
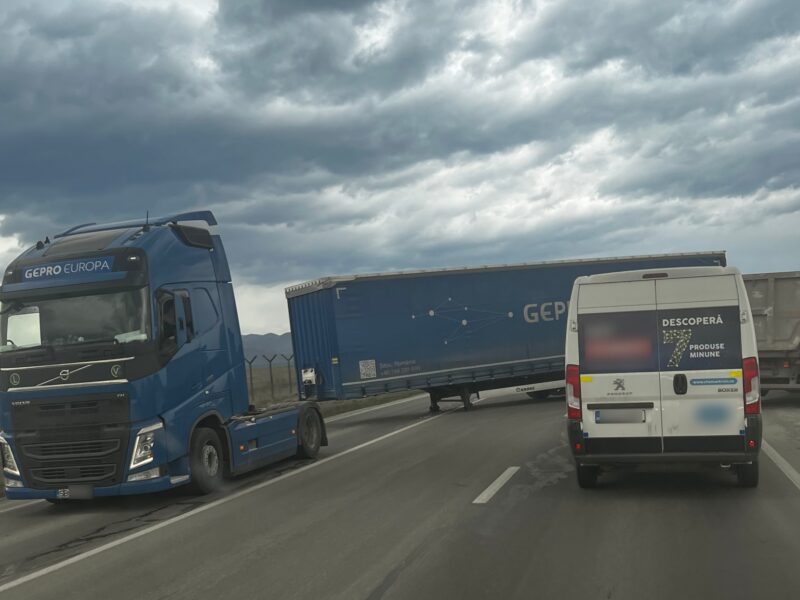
[(720, 458), (750, 446)]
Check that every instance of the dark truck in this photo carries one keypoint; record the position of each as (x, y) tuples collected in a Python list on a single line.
[(775, 302), (121, 367), (450, 332)]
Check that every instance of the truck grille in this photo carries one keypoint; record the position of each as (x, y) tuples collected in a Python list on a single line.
[(64, 450), (79, 474), (72, 440)]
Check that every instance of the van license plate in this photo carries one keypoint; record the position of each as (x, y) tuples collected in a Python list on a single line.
[(619, 415)]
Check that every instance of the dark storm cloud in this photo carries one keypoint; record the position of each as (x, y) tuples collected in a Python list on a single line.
[(664, 38), (338, 136)]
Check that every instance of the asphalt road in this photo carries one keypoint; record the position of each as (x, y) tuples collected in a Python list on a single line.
[(388, 512)]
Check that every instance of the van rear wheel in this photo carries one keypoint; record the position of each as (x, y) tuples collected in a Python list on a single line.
[(748, 474), (587, 476)]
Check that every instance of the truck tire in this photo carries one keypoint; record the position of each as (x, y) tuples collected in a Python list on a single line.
[(309, 434), (587, 476), (747, 474), (206, 461)]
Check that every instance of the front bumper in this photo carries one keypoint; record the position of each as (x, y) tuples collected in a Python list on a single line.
[(124, 489)]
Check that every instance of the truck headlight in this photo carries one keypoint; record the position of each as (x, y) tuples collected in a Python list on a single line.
[(9, 464), (144, 445)]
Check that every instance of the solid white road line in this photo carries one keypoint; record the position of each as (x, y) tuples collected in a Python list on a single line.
[(490, 491), (368, 409), (123, 540), (16, 504), (782, 463)]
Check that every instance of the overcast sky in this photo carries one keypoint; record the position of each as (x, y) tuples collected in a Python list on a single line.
[(339, 136)]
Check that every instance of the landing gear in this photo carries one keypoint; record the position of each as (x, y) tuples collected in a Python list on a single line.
[(466, 395), (434, 407)]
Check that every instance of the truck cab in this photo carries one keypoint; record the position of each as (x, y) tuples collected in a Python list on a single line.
[(121, 365)]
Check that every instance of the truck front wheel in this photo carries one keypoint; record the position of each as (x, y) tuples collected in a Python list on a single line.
[(310, 434), (206, 461)]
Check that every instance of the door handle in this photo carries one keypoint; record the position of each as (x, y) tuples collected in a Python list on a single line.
[(679, 384)]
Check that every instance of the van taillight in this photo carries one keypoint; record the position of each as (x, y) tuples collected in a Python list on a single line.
[(573, 392), (752, 388)]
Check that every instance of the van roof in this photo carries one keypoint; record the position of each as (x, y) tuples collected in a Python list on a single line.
[(671, 273)]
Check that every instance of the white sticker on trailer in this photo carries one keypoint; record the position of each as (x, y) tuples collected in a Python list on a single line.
[(367, 369)]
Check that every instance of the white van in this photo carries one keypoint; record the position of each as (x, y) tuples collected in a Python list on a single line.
[(662, 367)]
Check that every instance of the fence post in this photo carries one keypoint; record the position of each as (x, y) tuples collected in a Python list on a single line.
[(250, 370), (271, 378), (289, 369)]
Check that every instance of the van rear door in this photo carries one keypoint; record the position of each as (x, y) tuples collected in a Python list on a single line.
[(618, 347), (701, 364)]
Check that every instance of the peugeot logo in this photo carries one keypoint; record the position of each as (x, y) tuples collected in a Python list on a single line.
[(115, 371), (64, 375), (619, 385), (14, 379)]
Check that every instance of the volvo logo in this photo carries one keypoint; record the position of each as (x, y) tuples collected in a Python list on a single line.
[(115, 371), (64, 375), (14, 379)]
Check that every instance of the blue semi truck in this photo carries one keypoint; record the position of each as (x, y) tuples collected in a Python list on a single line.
[(450, 332), (121, 367)]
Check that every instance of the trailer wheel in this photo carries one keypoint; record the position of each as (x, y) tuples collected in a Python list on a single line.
[(587, 476), (310, 434), (206, 461), (747, 474)]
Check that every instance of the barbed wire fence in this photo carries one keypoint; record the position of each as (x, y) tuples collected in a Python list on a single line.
[(267, 382)]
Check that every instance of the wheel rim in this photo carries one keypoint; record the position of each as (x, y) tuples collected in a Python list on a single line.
[(210, 460), (310, 432)]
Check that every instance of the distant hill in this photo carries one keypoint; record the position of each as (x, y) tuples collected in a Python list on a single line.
[(267, 343)]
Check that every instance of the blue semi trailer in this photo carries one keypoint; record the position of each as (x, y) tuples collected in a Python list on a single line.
[(450, 332), (121, 367)]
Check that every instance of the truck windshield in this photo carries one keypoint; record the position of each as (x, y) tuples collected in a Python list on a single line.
[(108, 317)]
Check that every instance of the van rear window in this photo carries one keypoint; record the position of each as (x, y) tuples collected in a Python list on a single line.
[(700, 339), (622, 342)]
